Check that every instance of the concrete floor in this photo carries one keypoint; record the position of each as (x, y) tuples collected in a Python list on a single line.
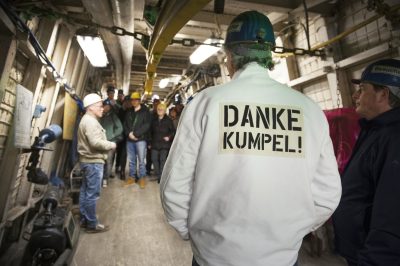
[(140, 236)]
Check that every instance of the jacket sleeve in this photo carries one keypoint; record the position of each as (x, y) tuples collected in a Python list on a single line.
[(118, 129), (144, 128), (382, 245), (178, 174), (171, 129), (116, 107), (128, 123), (326, 185)]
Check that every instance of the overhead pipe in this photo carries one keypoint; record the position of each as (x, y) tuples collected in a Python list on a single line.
[(353, 29), (101, 13), (123, 11), (347, 32), (173, 16)]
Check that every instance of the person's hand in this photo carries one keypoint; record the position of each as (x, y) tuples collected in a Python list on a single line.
[(166, 138), (131, 136)]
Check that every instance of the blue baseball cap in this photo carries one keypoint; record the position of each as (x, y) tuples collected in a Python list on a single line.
[(107, 102), (385, 72)]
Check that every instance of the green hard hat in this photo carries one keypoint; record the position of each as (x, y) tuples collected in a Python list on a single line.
[(250, 26)]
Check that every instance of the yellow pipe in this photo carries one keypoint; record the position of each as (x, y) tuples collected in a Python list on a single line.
[(352, 29), (347, 32), (284, 55), (173, 16)]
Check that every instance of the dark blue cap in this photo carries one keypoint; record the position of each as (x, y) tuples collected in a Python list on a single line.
[(107, 102), (385, 72)]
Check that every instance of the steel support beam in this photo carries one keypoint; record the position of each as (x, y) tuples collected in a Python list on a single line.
[(174, 15)]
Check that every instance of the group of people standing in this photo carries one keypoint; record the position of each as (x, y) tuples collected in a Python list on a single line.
[(117, 130), (138, 124), (142, 136), (250, 174)]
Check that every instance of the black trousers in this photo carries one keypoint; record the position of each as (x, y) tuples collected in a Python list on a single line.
[(121, 156), (148, 161), (118, 153)]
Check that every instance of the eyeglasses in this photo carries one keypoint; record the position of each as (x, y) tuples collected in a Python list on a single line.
[(98, 106)]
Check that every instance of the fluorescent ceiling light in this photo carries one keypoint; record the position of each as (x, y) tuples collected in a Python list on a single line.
[(94, 50), (205, 51), (163, 83), (175, 79), (166, 81)]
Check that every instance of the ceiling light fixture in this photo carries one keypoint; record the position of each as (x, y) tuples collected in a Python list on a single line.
[(204, 51), (163, 83), (92, 46), (175, 79)]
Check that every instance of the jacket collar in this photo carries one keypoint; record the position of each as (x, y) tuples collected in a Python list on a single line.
[(142, 108), (389, 117), (252, 68)]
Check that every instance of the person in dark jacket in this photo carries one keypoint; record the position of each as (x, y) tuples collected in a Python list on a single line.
[(120, 158), (110, 96), (114, 133), (154, 116), (162, 131), (120, 98), (367, 221), (173, 114), (136, 127)]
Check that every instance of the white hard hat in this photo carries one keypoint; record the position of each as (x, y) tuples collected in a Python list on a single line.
[(91, 99)]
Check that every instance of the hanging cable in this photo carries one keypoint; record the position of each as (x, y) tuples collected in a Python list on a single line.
[(218, 29), (40, 53), (307, 29), (144, 38)]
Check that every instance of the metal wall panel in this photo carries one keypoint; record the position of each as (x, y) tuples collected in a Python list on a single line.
[(7, 107), (319, 92), (319, 89), (309, 64), (367, 37)]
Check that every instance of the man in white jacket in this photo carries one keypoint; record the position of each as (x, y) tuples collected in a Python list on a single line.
[(251, 170)]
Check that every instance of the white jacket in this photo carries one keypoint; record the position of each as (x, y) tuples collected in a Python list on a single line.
[(251, 171)]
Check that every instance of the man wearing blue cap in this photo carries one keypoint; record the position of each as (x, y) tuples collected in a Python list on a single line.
[(367, 221), (114, 132), (251, 170)]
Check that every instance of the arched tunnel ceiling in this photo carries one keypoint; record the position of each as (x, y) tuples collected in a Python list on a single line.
[(176, 57)]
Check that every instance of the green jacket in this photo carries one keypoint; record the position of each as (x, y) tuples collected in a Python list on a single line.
[(113, 126)]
